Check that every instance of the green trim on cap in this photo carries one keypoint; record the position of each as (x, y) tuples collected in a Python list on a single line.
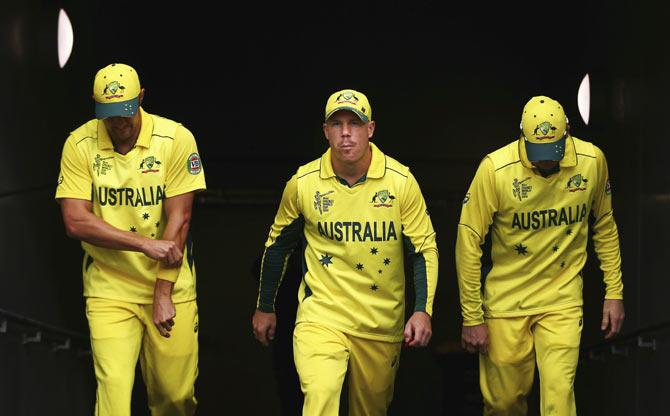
[(545, 151), (126, 108), (358, 112)]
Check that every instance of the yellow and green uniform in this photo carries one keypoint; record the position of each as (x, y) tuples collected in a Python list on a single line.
[(539, 229), (128, 192), (352, 241)]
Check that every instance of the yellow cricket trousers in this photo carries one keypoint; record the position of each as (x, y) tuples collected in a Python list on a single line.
[(507, 371), (120, 333), (323, 356)]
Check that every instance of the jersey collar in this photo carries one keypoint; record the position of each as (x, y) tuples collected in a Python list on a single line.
[(569, 157), (376, 170), (144, 139)]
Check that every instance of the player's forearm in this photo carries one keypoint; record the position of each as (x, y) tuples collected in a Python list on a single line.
[(425, 267), (94, 230), (606, 245), (468, 268), (176, 229), (273, 267)]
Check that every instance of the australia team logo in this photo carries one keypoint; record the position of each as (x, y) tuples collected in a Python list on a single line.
[(382, 199), (321, 201), (113, 90), (347, 97), (520, 189), (577, 183), (545, 128), (148, 163), (193, 164)]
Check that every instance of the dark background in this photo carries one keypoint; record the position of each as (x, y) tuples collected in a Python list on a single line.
[(446, 81)]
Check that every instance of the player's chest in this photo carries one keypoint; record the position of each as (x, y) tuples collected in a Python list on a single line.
[(141, 167), (365, 212), (523, 189)]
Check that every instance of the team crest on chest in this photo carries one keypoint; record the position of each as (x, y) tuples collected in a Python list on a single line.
[(382, 199), (577, 183), (321, 201), (148, 163), (520, 189), (101, 166)]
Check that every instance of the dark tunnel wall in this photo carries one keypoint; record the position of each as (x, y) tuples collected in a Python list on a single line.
[(446, 83)]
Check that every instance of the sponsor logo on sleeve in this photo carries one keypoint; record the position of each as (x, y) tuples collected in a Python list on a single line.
[(193, 164)]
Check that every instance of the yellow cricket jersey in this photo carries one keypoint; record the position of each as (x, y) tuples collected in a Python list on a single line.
[(352, 246), (539, 233), (127, 192)]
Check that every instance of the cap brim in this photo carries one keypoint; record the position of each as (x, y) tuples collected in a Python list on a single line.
[(119, 109), (545, 151), (358, 112)]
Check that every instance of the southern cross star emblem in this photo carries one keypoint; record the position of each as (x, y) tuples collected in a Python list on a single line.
[(359, 266), (326, 260), (521, 249), (373, 250)]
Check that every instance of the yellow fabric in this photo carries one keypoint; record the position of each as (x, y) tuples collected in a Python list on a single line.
[(507, 371), (353, 255), (539, 233), (349, 100), (127, 192), (120, 332), (543, 120), (323, 356)]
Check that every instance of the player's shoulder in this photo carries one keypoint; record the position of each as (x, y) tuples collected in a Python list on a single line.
[(167, 128), (309, 169), (505, 156), (584, 148), (85, 132), (394, 167)]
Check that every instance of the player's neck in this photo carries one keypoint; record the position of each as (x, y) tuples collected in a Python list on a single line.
[(352, 172)]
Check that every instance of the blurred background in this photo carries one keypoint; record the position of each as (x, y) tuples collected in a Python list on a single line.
[(447, 82)]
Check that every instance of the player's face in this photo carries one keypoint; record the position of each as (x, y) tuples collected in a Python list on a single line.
[(123, 129), (545, 164), (348, 136)]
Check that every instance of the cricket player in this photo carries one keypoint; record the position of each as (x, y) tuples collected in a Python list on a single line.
[(126, 190), (535, 195), (355, 214)]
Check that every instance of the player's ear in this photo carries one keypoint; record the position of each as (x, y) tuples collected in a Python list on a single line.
[(141, 96), (371, 129)]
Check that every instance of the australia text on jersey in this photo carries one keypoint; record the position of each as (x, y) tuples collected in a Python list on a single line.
[(549, 217), (146, 195)]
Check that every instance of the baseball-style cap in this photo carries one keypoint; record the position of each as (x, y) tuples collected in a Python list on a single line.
[(544, 128), (349, 100), (116, 91)]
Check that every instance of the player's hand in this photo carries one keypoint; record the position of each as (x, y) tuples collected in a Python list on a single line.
[(165, 251), (613, 314), (264, 324), (163, 308), (475, 338), (418, 330)]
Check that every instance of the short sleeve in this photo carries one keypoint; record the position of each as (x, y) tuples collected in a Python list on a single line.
[(74, 180), (185, 172)]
